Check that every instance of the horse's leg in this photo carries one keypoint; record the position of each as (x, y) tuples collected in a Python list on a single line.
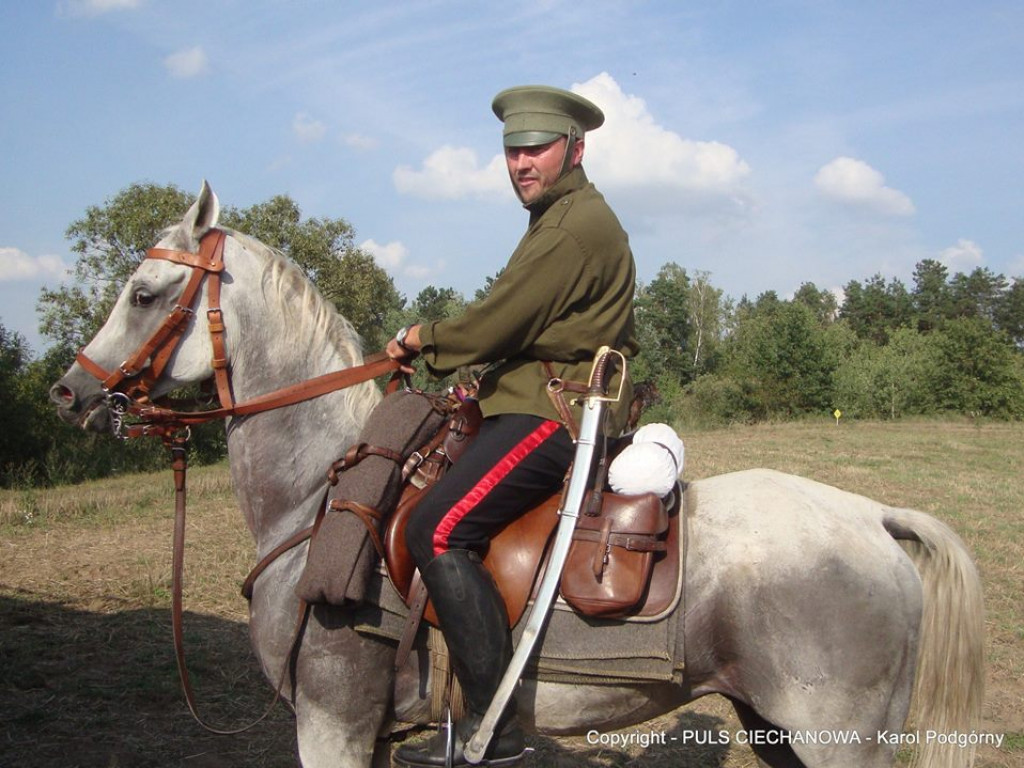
[(343, 694)]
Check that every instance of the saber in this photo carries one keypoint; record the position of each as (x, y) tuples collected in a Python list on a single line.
[(579, 476)]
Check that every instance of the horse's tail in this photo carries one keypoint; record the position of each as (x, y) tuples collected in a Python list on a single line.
[(949, 685)]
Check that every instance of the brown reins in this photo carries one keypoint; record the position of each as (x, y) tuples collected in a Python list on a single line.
[(128, 389)]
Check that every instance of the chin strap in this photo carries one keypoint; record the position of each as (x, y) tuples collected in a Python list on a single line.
[(570, 145)]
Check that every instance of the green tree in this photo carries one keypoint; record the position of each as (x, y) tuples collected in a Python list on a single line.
[(931, 296), (112, 240), (887, 382), (708, 313), (822, 303), (876, 309), (665, 327), (976, 370), (978, 294), (433, 304), (780, 356), (18, 442), (1009, 316)]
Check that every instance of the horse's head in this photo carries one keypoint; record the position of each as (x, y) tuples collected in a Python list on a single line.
[(156, 338)]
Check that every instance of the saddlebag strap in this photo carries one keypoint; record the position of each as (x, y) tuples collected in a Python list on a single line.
[(631, 542), (417, 604), (555, 389), (356, 454), (370, 517)]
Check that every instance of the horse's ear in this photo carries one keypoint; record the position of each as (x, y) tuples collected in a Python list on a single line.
[(204, 213)]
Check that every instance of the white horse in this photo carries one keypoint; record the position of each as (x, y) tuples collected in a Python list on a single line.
[(800, 604)]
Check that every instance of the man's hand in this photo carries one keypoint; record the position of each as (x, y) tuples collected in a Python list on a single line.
[(405, 347)]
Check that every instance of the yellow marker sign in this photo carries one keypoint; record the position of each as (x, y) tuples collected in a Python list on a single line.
[(837, 413)]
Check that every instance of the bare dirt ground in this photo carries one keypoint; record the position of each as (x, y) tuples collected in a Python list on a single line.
[(87, 671)]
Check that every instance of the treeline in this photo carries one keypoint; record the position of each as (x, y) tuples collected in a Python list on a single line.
[(947, 344)]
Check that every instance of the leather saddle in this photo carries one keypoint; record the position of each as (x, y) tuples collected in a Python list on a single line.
[(518, 553)]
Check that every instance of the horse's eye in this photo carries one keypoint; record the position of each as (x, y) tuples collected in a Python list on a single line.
[(142, 299)]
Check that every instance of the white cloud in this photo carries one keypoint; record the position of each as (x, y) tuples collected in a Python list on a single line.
[(95, 7), (307, 130), (187, 63), (632, 150), (848, 180), (962, 257), (391, 256), (16, 265), (450, 173), (358, 141)]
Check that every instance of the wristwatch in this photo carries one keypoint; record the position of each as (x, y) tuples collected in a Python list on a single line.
[(401, 336)]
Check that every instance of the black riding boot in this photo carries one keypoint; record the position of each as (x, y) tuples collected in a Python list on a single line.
[(475, 626)]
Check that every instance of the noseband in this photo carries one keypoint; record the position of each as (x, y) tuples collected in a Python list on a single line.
[(137, 375)]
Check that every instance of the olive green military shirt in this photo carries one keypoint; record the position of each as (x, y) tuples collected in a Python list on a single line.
[(566, 291)]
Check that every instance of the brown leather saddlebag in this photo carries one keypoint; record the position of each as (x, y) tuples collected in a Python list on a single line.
[(612, 553)]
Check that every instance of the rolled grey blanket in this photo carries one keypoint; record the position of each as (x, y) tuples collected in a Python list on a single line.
[(341, 554)]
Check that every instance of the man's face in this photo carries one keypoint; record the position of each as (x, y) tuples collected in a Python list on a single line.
[(535, 169)]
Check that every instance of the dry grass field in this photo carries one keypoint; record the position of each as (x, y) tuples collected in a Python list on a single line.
[(87, 674)]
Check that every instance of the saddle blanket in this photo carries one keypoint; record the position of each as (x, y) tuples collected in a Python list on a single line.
[(573, 649)]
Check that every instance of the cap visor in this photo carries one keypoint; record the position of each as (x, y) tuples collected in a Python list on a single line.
[(530, 138)]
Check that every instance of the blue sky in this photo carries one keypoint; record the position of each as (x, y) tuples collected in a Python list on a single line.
[(769, 143)]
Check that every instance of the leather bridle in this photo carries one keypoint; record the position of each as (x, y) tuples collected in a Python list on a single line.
[(128, 387), (137, 375)]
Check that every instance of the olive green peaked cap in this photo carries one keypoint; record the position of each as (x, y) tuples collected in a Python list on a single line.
[(537, 114)]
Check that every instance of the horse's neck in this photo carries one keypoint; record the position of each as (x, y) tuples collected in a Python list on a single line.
[(279, 458)]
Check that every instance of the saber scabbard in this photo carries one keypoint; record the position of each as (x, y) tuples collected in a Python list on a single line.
[(590, 428)]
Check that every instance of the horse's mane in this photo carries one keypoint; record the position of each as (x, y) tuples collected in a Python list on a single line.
[(300, 300)]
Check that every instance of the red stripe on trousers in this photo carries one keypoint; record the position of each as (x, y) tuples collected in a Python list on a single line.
[(486, 484)]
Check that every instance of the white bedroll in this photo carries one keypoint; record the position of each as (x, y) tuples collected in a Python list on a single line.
[(590, 427)]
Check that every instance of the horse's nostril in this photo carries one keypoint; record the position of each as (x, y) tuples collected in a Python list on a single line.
[(62, 395)]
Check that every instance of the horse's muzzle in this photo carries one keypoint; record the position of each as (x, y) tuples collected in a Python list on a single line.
[(90, 413)]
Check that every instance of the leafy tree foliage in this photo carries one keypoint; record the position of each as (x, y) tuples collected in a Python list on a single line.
[(976, 370), (876, 309), (978, 294), (433, 304), (887, 381), (779, 355), (17, 438), (1009, 315), (822, 303), (932, 300), (665, 326), (708, 312)]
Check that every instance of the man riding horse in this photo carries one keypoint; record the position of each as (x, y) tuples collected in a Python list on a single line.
[(566, 291)]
